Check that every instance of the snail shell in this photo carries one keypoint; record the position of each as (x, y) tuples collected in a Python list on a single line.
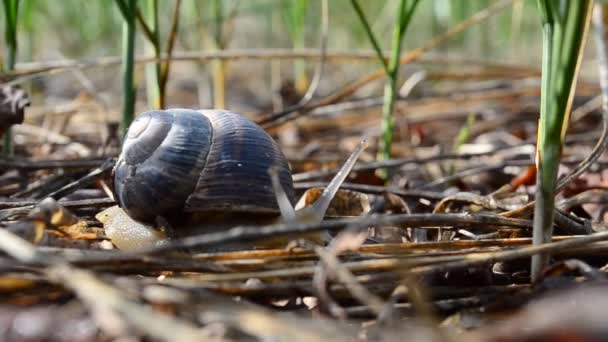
[(179, 162)]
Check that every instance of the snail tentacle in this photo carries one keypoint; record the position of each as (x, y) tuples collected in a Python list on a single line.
[(288, 213), (317, 210)]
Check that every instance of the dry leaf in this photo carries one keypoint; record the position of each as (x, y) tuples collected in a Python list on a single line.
[(345, 203)]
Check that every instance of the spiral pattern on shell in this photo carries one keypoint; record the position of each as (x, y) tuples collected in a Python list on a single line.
[(180, 161)]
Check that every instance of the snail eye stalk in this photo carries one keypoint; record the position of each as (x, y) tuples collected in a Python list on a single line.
[(288, 213), (316, 212)]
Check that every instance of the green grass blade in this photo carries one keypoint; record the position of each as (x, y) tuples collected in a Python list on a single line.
[(406, 10), (370, 34), (294, 14), (11, 8), (129, 10), (219, 66), (564, 31), (153, 71), (404, 16), (123, 8)]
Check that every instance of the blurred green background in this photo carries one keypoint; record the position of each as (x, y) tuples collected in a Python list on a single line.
[(85, 29), (88, 30)]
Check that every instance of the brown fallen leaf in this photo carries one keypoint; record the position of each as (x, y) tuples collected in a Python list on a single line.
[(345, 203), (57, 218), (81, 231), (527, 177)]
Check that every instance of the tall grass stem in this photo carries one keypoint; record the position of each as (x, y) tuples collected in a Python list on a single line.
[(404, 16), (153, 71), (128, 9), (219, 66), (11, 9), (564, 30)]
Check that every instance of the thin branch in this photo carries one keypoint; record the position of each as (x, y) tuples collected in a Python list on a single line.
[(493, 257), (250, 234), (33, 68), (358, 291), (100, 296), (397, 162)]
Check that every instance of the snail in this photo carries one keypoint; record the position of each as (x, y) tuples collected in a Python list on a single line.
[(203, 168)]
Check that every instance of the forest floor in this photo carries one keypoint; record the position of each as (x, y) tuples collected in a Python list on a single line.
[(439, 251)]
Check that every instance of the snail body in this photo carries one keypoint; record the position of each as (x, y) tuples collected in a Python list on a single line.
[(180, 163), (202, 171)]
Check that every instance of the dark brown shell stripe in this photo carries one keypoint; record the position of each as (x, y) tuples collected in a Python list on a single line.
[(236, 176)]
